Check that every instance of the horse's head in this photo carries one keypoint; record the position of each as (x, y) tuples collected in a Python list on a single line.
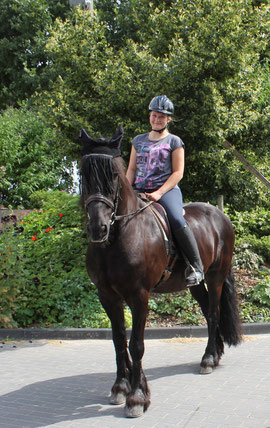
[(100, 185)]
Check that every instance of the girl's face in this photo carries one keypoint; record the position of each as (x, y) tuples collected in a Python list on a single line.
[(158, 120)]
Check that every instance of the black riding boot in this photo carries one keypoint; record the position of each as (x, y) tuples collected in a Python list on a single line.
[(186, 243)]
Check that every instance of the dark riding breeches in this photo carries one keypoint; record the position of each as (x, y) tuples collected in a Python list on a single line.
[(172, 201)]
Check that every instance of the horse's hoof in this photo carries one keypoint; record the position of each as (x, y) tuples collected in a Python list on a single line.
[(206, 370), (134, 412), (119, 398)]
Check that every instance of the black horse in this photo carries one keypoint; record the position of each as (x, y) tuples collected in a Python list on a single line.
[(126, 258)]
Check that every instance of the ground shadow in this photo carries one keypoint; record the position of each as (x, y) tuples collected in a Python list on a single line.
[(71, 398)]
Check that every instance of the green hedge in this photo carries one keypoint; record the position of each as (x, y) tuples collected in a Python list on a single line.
[(44, 279)]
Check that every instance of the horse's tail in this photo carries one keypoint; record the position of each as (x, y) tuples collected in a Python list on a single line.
[(230, 324)]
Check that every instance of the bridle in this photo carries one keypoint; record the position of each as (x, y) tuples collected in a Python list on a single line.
[(113, 204), (98, 197)]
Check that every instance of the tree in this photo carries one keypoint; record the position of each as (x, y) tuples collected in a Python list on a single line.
[(24, 28), (96, 87), (205, 55), (29, 160)]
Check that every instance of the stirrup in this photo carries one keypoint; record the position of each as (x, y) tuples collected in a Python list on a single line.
[(193, 276)]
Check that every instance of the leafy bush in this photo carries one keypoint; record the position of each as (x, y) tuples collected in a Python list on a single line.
[(10, 275), (261, 246), (254, 222), (255, 306), (261, 293), (29, 158), (180, 306), (252, 230), (49, 285), (245, 257), (251, 313)]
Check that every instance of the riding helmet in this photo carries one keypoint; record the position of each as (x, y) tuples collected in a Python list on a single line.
[(162, 104)]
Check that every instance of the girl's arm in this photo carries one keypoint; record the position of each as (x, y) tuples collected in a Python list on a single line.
[(131, 171)]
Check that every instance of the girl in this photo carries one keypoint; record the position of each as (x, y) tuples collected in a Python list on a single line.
[(156, 166)]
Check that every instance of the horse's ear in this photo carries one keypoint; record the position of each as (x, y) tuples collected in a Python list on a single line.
[(87, 142), (84, 137), (115, 141)]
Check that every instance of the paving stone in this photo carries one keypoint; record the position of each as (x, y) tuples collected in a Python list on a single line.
[(66, 384)]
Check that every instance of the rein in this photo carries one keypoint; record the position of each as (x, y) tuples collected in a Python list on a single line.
[(132, 214), (114, 205)]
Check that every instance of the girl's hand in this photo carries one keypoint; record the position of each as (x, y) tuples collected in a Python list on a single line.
[(155, 196)]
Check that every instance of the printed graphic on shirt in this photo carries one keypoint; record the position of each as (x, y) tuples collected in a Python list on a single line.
[(153, 161)]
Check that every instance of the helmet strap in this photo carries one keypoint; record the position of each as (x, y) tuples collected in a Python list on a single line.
[(160, 130)]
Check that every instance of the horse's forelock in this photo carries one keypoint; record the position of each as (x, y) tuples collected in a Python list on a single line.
[(97, 174)]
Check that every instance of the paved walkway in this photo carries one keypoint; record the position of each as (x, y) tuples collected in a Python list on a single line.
[(66, 384)]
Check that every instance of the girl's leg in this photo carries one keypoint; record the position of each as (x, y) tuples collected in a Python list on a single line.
[(172, 201), (185, 240)]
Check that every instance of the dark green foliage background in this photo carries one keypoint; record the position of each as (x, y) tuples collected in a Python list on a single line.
[(65, 68), (97, 69)]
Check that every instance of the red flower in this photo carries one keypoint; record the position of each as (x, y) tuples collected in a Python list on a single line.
[(34, 238), (61, 215), (48, 230)]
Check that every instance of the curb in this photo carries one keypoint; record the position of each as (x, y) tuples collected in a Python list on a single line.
[(105, 333)]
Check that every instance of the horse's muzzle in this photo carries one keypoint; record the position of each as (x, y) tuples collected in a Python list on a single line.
[(99, 234)]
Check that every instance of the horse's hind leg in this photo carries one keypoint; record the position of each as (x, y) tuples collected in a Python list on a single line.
[(139, 398), (209, 302), (113, 306)]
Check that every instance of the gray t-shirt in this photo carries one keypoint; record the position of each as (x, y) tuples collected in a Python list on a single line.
[(154, 160)]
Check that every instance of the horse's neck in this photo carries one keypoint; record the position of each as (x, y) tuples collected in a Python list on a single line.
[(128, 198)]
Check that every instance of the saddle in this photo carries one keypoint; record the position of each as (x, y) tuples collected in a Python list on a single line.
[(164, 225), (165, 229)]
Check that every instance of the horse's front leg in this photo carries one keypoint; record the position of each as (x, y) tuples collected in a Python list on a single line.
[(113, 306), (138, 399)]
